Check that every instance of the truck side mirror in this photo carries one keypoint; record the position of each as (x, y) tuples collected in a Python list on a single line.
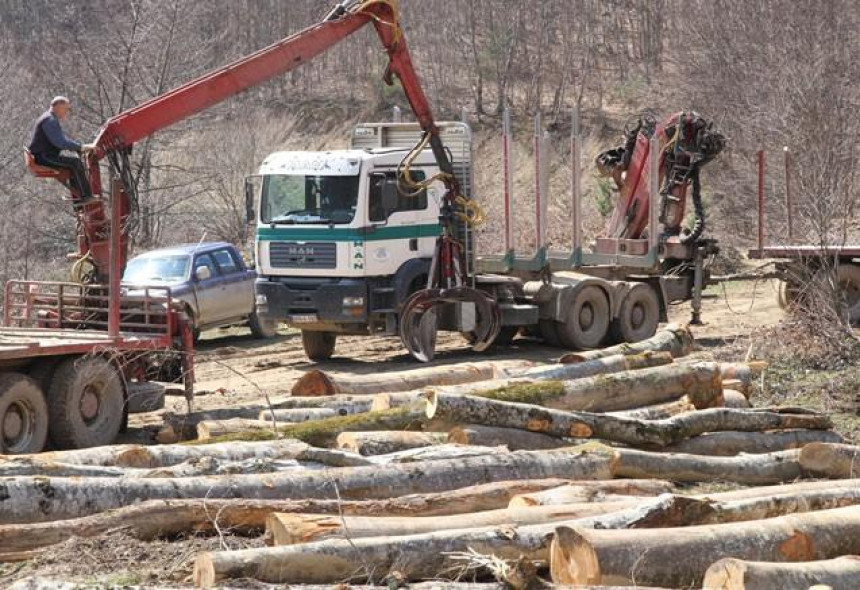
[(249, 199), (201, 273)]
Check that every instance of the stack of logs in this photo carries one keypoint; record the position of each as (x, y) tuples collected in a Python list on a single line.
[(591, 471)]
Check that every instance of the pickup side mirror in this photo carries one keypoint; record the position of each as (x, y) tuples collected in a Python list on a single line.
[(201, 273), (249, 199)]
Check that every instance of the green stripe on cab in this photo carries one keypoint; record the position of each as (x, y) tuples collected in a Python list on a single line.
[(347, 234)]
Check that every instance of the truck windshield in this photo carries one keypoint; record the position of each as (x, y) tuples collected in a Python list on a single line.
[(292, 199), (157, 269)]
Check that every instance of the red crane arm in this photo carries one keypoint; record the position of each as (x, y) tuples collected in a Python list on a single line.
[(127, 128)]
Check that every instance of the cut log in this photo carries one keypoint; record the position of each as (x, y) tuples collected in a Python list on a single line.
[(679, 557), (296, 415), (34, 499), (734, 399), (103, 456), (438, 452), (294, 528), (515, 440), (24, 467), (433, 555), (737, 574), (629, 431), (166, 518), (594, 491), (767, 468), (742, 375), (601, 366), (166, 455), (658, 411), (831, 460), (387, 441), (236, 429), (322, 383), (733, 443), (323, 433), (677, 340)]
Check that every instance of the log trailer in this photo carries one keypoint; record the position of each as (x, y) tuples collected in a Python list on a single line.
[(358, 241)]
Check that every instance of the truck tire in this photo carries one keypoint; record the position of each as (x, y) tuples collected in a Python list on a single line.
[(587, 321), (319, 346), (848, 279), (23, 415), (85, 403), (639, 314), (262, 328)]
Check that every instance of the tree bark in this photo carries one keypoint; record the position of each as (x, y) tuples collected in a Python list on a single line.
[(658, 411), (236, 429), (734, 399), (595, 491), (679, 557), (737, 574), (601, 366), (674, 339), (35, 499), (438, 452), (431, 555), (166, 518), (515, 440), (321, 383), (831, 460), (387, 441), (630, 431), (742, 375), (166, 455), (296, 415), (730, 443), (96, 456)]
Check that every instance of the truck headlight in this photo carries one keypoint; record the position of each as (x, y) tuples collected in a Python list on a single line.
[(353, 301)]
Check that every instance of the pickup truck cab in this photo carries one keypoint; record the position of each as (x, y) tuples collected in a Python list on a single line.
[(210, 278)]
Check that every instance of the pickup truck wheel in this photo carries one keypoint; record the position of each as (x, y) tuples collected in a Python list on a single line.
[(638, 315), (23, 415), (319, 346), (587, 321), (262, 327), (85, 403)]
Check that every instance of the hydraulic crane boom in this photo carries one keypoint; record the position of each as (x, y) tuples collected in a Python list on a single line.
[(448, 282)]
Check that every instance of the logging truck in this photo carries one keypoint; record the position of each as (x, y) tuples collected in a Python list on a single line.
[(342, 248)]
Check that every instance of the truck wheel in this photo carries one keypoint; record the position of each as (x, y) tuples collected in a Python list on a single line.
[(85, 403), (23, 415), (262, 327), (587, 320), (848, 279), (639, 314), (319, 346), (549, 332)]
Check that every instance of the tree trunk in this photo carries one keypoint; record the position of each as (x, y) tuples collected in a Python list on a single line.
[(700, 382), (658, 411), (737, 574), (629, 431), (611, 364), (595, 491), (431, 555), (387, 441), (166, 455), (831, 460), (295, 528), (167, 518), (679, 557), (321, 383), (674, 339), (767, 468), (34, 499), (515, 440), (734, 443), (296, 415)]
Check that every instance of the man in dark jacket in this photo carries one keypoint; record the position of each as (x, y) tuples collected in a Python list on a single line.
[(48, 141)]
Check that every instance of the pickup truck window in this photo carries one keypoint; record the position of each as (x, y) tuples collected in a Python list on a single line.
[(159, 269), (205, 260), (225, 261)]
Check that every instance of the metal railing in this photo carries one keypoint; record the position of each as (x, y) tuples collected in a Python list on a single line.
[(72, 306)]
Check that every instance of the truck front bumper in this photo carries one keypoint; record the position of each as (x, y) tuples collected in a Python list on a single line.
[(310, 302)]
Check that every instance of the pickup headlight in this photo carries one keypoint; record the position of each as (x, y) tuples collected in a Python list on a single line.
[(353, 301)]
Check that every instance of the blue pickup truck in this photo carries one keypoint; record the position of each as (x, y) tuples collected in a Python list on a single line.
[(210, 278)]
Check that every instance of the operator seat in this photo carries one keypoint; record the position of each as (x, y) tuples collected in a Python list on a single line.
[(44, 171)]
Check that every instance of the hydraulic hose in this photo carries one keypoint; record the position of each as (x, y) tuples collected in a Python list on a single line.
[(699, 207)]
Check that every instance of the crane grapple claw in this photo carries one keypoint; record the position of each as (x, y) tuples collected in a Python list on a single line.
[(419, 319)]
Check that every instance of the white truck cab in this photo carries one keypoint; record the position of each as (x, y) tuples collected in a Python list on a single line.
[(339, 247)]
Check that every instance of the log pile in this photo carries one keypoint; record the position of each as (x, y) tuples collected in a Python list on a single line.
[(576, 472)]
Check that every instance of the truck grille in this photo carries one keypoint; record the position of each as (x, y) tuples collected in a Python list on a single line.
[(303, 254)]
